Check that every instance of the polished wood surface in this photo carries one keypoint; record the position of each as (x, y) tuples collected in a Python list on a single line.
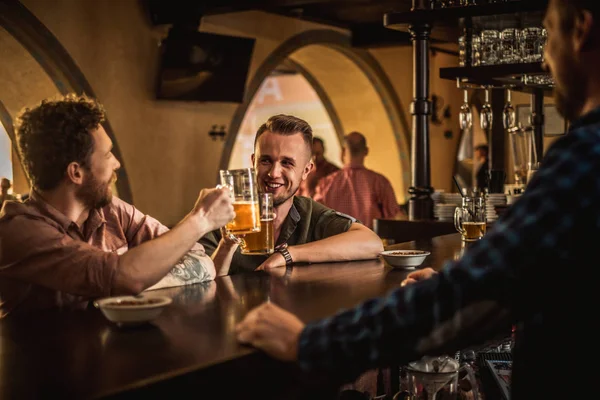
[(399, 231), (79, 354)]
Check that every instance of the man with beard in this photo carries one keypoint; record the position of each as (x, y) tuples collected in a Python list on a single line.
[(514, 276), (72, 241), (304, 230)]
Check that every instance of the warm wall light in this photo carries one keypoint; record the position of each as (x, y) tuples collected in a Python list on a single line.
[(217, 132)]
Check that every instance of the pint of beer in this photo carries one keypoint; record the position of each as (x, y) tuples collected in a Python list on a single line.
[(242, 185), (470, 219), (247, 218), (262, 242)]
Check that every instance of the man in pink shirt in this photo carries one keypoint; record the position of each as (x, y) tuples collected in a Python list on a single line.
[(322, 168), (355, 190), (72, 241)]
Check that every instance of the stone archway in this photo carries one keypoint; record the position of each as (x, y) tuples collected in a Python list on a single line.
[(58, 65), (316, 51)]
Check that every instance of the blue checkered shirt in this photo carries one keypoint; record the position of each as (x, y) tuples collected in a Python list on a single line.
[(530, 271)]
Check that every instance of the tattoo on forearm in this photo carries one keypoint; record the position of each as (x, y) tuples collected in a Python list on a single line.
[(191, 267)]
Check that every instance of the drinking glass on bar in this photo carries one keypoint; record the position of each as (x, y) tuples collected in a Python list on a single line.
[(465, 116), (490, 43), (242, 185), (486, 116), (509, 46), (470, 219), (509, 116), (462, 51), (261, 242), (475, 51), (531, 44)]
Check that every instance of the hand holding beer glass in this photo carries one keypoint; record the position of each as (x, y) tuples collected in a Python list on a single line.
[(470, 219), (242, 185), (262, 242)]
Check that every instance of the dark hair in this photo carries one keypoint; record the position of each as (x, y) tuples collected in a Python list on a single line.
[(483, 147), (55, 133), (287, 125), (318, 139), (356, 143), (569, 10)]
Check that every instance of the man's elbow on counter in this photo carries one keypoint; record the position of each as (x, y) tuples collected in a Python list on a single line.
[(124, 284)]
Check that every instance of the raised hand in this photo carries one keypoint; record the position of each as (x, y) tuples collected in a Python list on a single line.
[(215, 207)]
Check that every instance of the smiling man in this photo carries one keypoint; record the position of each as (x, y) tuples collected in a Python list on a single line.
[(305, 231)]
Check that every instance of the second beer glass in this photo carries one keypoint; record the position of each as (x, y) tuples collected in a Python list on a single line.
[(262, 242), (242, 184), (470, 219)]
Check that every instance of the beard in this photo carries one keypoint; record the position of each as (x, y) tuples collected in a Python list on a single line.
[(95, 194), (279, 200), (570, 91)]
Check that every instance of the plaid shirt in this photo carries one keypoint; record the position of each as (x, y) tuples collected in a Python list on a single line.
[(520, 273)]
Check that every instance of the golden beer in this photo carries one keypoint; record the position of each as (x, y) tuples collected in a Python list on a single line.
[(247, 218), (473, 230), (260, 242)]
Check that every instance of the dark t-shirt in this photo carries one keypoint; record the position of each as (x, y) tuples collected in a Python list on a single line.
[(307, 221)]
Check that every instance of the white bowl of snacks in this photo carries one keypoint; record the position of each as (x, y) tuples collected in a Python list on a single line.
[(132, 310), (405, 258)]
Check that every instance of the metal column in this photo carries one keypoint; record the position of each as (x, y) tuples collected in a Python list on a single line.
[(537, 122), (496, 141), (420, 204)]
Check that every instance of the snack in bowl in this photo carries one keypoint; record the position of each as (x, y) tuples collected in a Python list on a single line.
[(405, 258), (132, 310)]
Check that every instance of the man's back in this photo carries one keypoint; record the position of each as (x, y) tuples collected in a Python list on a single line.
[(357, 191), (321, 171)]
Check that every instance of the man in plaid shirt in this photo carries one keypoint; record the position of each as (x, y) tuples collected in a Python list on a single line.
[(515, 275)]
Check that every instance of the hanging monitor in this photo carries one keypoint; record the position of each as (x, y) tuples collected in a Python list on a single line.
[(200, 66)]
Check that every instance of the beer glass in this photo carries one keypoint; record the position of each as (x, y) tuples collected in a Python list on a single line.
[(261, 242), (470, 218), (242, 185)]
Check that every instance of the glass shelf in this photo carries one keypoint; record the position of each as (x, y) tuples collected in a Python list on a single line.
[(402, 20), (501, 75)]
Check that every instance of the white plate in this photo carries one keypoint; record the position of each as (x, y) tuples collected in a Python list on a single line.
[(132, 310), (405, 258)]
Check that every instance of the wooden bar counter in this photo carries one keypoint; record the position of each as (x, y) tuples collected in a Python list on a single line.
[(191, 348)]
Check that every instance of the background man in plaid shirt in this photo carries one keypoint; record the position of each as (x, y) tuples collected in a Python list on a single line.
[(513, 276)]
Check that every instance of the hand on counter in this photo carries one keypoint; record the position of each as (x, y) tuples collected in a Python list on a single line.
[(272, 329), (276, 260), (418, 275)]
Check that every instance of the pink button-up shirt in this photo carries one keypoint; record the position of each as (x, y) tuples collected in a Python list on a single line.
[(46, 260), (359, 192), (308, 186)]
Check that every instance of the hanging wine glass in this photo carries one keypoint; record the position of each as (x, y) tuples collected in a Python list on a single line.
[(466, 116), (509, 116), (486, 117)]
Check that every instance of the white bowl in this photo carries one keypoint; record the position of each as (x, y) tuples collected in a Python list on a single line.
[(405, 258), (132, 310)]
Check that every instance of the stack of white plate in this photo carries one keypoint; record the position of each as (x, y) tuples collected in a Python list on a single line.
[(452, 198), (437, 197), (444, 212), (493, 200)]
